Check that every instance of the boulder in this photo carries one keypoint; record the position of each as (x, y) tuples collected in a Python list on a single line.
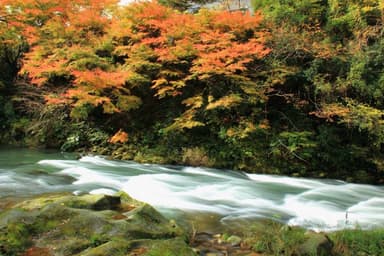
[(64, 224), (316, 244), (94, 202), (145, 222), (87, 201), (234, 240)]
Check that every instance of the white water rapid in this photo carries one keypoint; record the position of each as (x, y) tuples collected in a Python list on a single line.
[(232, 196)]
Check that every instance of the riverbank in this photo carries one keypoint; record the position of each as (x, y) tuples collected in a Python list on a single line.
[(181, 149), (64, 224), (199, 156)]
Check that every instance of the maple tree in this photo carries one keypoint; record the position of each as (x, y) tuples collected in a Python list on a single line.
[(64, 37), (208, 50)]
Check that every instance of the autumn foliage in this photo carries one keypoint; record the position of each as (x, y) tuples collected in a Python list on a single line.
[(95, 52)]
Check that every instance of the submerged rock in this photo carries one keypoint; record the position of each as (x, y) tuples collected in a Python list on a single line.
[(63, 224)]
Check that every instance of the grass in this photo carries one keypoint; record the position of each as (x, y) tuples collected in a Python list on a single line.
[(359, 242), (272, 238)]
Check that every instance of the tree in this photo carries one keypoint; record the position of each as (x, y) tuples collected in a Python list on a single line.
[(96, 57)]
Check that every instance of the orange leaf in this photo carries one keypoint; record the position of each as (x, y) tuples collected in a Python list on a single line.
[(119, 137)]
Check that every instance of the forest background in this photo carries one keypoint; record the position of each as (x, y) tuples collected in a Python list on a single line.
[(290, 87)]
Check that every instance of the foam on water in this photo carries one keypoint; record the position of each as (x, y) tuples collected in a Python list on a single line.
[(87, 176), (314, 204)]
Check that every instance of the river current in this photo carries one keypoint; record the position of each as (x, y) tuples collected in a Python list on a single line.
[(220, 197)]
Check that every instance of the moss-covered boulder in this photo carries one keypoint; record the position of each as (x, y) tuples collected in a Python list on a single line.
[(64, 224), (316, 244), (87, 201), (145, 222)]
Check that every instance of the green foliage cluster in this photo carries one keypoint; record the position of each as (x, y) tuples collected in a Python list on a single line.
[(11, 49), (310, 105), (326, 78)]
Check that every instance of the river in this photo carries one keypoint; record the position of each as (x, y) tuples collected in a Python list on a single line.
[(209, 198)]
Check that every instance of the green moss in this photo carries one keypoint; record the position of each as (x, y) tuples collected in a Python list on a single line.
[(14, 238), (171, 247), (115, 247), (85, 225)]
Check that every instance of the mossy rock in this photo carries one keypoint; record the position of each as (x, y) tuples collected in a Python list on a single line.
[(316, 244), (127, 201), (94, 202), (114, 247), (169, 247), (42, 201), (64, 224), (145, 222)]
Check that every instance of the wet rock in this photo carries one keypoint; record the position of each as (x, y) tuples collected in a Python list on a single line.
[(206, 244)]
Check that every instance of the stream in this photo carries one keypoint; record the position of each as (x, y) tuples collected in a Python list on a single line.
[(210, 199)]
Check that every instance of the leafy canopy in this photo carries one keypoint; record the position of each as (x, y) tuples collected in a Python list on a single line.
[(96, 54)]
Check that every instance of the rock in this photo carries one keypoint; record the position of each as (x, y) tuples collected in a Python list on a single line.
[(92, 225), (214, 254), (42, 201), (171, 247), (63, 245), (87, 201), (14, 216), (145, 222), (108, 248), (94, 202), (316, 244), (234, 240)]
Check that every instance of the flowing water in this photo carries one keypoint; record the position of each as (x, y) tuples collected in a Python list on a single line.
[(207, 197)]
